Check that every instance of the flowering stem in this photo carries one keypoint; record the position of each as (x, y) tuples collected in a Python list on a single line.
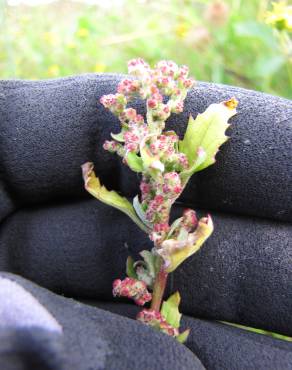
[(159, 288)]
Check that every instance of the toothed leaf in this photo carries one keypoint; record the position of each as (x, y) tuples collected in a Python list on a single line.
[(112, 198), (170, 310), (130, 270), (207, 133)]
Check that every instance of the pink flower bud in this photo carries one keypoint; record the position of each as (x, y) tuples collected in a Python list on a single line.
[(163, 227), (183, 160), (155, 319), (139, 119), (132, 288), (129, 87), (111, 146), (108, 100), (188, 83), (190, 220), (167, 68), (115, 103), (183, 71), (145, 187), (132, 141), (178, 107), (138, 67), (158, 199), (152, 103)]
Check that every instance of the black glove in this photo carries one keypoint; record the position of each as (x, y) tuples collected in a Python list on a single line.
[(55, 235)]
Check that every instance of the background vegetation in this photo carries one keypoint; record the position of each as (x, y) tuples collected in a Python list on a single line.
[(222, 41), (227, 41)]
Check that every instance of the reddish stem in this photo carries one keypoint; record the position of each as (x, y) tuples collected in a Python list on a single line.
[(159, 288)]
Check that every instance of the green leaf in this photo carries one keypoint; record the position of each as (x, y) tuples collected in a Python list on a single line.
[(118, 137), (112, 198), (201, 157), (265, 67), (176, 223), (182, 337), (204, 136), (134, 162), (130, 270), (255, 30), (169, 310), (140, 212)]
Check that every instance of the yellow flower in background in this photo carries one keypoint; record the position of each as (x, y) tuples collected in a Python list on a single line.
[(54, 70), (82, 32), (71, 45), (280, 17), (50, 38), (181, 30), (99, 67)]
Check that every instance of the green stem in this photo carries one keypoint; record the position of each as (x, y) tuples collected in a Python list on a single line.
[(159, 288)]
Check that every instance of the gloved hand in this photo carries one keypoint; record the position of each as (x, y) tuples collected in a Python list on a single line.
[(55, 235)]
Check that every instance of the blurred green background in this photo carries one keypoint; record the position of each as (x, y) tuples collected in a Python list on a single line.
[(238, 42), (227, 41)]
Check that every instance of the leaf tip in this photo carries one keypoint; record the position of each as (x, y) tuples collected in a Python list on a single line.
[(182, 337), (231, 103), (87, 169)]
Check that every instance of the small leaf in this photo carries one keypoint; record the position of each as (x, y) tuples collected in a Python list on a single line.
[(143, 274), (182, 337), (130, 271), (173, 226), (149, 259), (183, 234), (146, 270), (140, 212), (112, 198), (206, 133), (170, 310), (118, 137), (174, 252), (134, 162)]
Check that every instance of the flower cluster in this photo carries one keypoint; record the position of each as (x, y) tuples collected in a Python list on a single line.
[(164, 89), (132, 288), (155, 319)]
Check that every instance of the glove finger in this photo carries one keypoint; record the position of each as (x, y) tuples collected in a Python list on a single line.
[(242, 274), (220, 346), (60, 123), (92, 338)]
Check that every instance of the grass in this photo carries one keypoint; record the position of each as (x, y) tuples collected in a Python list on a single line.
[(66, 38), (260, 331)]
